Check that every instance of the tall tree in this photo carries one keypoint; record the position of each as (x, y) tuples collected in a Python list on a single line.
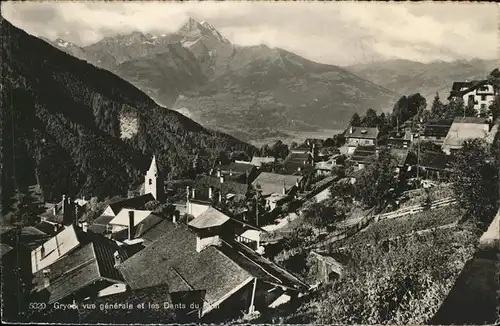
[(494, 108), (494, 78), (371, 119), (437, 106), (475, 180), (355, 120)]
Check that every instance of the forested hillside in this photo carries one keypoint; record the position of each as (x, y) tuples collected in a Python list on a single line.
[(61, 126)]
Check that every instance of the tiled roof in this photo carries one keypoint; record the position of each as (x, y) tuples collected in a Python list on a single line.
[(362, 132), (273, 183), (135, 203), (56, 247), (210, 218), (216, 270), (463, 129), (406, 135), (150, 229), (202, 184), (89, 263), (122, 218), (30, 237), (173, 260), (469, 86), (261, 267), (364, 154), (437, 129), (99, 225), (236, 167), (257, 160)]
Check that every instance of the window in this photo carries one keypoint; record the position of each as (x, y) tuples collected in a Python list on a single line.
[(483, 97), (483, 106), (150, 181)]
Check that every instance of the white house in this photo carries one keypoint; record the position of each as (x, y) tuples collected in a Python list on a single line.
[(479, 93)]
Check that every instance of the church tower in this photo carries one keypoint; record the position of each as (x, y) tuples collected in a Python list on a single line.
[(153, 182)]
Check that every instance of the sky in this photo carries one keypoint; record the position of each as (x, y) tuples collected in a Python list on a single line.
[(340, 33)]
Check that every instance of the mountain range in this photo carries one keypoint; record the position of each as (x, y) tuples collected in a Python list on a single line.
[(405, 77), (258, 92), (77, 129), (249, 92)]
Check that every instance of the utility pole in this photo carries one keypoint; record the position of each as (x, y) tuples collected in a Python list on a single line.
[(257, 209), (418, 159)]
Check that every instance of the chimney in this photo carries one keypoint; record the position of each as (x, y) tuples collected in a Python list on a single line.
[(116, 255), (351, 130), (174, 217), (284, 190), (42, 251), (220, 196), (54, 210), (210, 192), (188, 192), (218, 174), (230, 172), (63, 204), (85, 226), (46, 278), (221, 179), (297, 184), (193, 193), (131, 225)]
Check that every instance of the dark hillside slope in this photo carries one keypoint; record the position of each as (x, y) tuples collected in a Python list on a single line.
[(61, 126)]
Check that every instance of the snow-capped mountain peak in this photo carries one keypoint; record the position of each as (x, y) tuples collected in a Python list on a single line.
[(194, 30)]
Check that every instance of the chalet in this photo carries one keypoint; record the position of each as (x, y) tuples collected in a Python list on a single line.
[(258, 161), (400, 157), (400, 139), (363, 136), (238, 171), (228, 187), (466, 128), (201, 257), (298, 162), (364, 155), (479, 93), (436, 132), (75, 265), (144, 233), (434, 165), (326, 167), (277, 189), (318, 143)]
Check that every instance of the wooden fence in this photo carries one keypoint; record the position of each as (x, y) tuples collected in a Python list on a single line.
[(368, 219)]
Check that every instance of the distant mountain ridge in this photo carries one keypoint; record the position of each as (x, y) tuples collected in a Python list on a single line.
[(408, 77), (79, 130), (249, 92)]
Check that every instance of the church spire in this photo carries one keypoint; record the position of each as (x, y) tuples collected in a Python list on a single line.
[(153, 168), (153, 182)]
